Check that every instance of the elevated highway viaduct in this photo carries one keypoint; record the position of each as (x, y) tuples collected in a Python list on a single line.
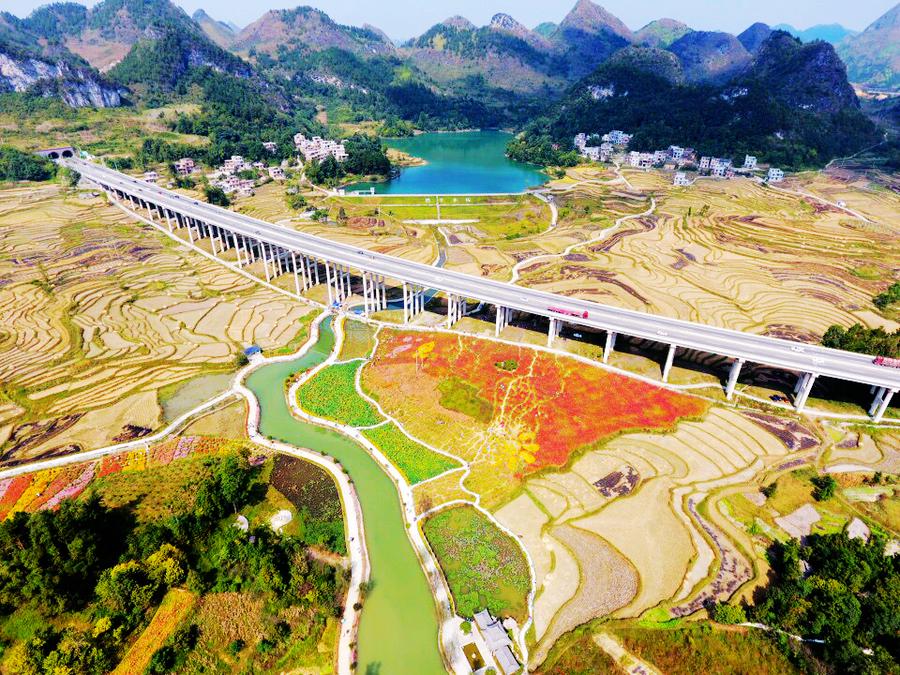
[(313, 260)]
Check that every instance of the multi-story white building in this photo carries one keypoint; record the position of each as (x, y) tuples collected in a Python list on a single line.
[(580, 142), (718, 170), (659, 156), (591, 152), (235, 164), (617, 137), (704, 162), (151, 176), (276, 173), (676, 152), (681, 179), (749, 162), (317, 148), (185, 166), (640, 160), (271, 146), (775, 175)]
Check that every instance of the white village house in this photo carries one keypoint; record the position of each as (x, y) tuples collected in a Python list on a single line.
[(775, 175)]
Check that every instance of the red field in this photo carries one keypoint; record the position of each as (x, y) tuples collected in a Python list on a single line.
[(550, 405)]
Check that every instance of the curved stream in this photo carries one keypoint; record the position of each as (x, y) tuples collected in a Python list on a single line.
[(398, 631)]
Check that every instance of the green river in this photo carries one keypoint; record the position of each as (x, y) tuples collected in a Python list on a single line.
[(398, 630)]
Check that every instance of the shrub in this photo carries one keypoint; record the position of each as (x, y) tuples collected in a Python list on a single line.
[(725, 613), (824, 487)]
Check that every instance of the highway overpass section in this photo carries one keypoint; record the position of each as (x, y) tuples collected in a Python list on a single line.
[(311, 258)]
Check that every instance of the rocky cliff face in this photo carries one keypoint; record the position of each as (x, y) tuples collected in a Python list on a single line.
[(78, 87), (28, 64)]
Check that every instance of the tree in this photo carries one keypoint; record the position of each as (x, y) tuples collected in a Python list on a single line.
[(824, 487), (18, 165), (858, 338), (296, 201), (52, 559), (127, 589), (216, 195), (889, 297)]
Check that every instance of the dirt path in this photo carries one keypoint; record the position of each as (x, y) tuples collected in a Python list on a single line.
[(602, 234), (626, 660)]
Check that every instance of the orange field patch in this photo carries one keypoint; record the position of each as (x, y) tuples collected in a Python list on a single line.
[(174, 607), (545, 406)]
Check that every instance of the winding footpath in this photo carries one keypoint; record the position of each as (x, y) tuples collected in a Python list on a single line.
[(600, 236)]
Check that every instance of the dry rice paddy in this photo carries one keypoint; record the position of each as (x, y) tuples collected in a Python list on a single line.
[(740, 255), (98, 313)]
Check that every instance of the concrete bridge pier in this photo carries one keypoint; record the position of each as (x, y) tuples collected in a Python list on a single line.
[(382, 287), (733, 375), (455, 305), (610, 345), (329, 286), (265, 259), (212, 239), (553, 331), (504, 314), (670, 358), (804, 386), (413, 300), (169, 219), (881, 403)]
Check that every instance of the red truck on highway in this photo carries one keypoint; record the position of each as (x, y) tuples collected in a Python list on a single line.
[(886, 361), (568, 312)]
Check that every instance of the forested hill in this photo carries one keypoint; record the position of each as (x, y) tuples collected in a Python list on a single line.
[(793, 107)]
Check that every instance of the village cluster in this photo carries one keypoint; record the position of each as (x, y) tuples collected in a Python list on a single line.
[(614, 146), (238, 176)]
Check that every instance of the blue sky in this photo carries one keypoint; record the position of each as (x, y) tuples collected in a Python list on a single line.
[(405, 18)]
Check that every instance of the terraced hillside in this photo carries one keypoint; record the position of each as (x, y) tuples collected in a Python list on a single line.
[(98, 314), (735, 253)]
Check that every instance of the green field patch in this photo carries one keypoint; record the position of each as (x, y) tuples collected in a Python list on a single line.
[(165, 491), (484, 566), (867, 272), (463, 397), (697, 648), (359, 338), (413, 460), (331, 394)]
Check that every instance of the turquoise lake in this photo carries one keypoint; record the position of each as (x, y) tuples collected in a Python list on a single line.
[(468, 162)]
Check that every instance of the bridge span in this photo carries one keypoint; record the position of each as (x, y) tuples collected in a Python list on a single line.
[(314, 260)]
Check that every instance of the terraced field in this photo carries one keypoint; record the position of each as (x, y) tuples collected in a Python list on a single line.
[(737, 254), (98, 314)]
